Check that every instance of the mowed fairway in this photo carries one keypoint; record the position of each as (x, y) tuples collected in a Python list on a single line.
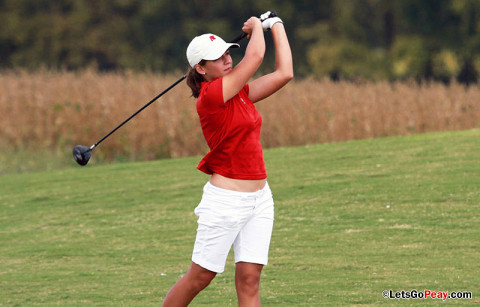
[(352, 219)]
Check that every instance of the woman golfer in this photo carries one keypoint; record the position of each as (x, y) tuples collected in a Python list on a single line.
[(237, 205)]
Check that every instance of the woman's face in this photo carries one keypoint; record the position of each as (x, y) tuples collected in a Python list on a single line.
[(217, 68)]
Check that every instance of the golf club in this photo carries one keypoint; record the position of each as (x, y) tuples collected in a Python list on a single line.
[(83, 153)]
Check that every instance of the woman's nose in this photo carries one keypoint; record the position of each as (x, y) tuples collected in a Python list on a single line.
[(226, 58)]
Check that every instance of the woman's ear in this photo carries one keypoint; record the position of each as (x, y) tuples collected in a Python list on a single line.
[(200, 69)]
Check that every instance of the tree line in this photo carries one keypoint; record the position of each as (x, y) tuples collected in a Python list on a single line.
[(340, 39)]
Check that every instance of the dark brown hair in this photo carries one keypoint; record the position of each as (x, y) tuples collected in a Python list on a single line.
[(194, 80)]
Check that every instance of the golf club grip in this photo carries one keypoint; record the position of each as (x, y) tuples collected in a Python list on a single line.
[(243, 35)]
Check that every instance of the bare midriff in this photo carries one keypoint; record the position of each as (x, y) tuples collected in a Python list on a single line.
[(238, 185)]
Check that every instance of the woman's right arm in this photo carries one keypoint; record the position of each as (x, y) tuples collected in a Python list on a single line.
[(238, 77)]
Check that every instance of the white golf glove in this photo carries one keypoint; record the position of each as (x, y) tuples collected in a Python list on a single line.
[(268, 20)]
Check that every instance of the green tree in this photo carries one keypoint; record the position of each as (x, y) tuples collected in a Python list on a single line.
[(338, 38)]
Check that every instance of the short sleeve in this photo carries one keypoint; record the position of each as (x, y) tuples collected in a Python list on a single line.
[(213, 93)]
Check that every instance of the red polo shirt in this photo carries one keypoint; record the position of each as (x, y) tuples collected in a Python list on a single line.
[(232, 131)]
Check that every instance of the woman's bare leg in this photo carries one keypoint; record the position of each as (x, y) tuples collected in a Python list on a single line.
[(247, 282), (185, 290)]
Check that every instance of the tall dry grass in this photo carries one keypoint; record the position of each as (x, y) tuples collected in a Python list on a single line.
[(50, 110)]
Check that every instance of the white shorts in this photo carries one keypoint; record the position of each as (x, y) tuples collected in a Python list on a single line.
[(228, 217)]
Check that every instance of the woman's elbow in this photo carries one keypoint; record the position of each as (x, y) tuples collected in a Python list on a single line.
[(256, 57), (287, 75), (290, 76), (259, 56)]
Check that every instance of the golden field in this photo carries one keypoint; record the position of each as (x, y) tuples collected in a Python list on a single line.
[(51, 111)]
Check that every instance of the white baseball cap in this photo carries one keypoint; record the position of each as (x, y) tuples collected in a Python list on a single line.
[(207, 47)]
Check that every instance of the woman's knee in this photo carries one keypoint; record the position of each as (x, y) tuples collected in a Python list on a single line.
[(201, 282), (247, 279), (199, 277), (249, 284)]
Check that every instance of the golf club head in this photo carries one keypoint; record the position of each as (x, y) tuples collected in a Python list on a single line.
[(82, 154)]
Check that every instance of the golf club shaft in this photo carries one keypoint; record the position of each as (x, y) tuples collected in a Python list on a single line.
[(140, 110), (239, 38), (235, 40)]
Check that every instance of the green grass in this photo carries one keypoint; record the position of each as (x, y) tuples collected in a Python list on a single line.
[(352, 219)]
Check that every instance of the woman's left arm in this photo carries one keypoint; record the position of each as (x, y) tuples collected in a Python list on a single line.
[(268, 84)]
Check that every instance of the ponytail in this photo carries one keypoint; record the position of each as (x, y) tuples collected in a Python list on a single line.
[(194, 80)]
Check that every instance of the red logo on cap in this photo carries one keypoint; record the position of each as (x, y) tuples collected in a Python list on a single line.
[(212, 38)]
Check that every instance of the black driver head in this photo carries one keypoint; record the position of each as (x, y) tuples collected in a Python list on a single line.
[(82, 154)]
